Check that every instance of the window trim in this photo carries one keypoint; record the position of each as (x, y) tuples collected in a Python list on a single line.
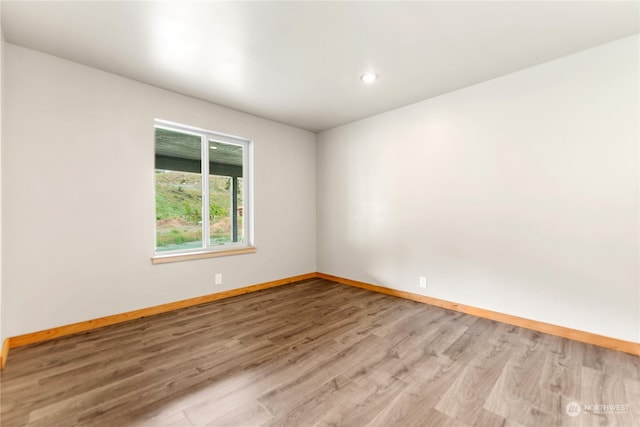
[(165, 259), (207, 251)]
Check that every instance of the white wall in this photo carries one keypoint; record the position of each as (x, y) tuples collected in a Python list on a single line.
[(518, 195), (78, 195), (2, 335)]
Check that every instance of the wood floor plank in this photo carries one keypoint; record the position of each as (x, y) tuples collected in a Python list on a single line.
[(315, 353), (299, 361), (632, 391), (412, 406), (178, 419), (363, 399), (517, 386), (601, 395), (466, 397), (297, 389)]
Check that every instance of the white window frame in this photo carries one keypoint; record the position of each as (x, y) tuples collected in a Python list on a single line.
[(232, 248)]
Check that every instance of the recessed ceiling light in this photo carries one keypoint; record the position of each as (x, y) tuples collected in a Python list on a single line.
[(213, 148), (369, 77)]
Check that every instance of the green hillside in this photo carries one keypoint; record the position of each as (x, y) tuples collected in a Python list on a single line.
[(178, 209)]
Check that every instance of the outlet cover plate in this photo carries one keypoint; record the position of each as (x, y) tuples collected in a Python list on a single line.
[(423, 282)]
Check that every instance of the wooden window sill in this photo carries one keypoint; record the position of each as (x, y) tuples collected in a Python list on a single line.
[(163, 259)]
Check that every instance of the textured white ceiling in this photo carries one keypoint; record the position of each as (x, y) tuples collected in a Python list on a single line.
[(299, 62)]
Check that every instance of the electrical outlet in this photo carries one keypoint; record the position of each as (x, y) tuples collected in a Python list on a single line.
[(423, 282), (219, 279)]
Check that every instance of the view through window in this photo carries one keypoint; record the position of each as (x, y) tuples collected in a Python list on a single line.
[(189, 207)]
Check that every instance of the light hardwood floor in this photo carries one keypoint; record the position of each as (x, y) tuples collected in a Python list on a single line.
[(316, 353)]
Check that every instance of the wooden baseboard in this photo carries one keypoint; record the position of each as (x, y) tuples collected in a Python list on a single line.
[(60, 331), (5, 353), (573, 334)]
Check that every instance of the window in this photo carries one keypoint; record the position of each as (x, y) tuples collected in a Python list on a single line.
[(201, 189)]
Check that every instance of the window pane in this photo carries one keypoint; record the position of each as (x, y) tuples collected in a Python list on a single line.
[(178, 190), (240, 212), (220, 209), (225, 201)]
